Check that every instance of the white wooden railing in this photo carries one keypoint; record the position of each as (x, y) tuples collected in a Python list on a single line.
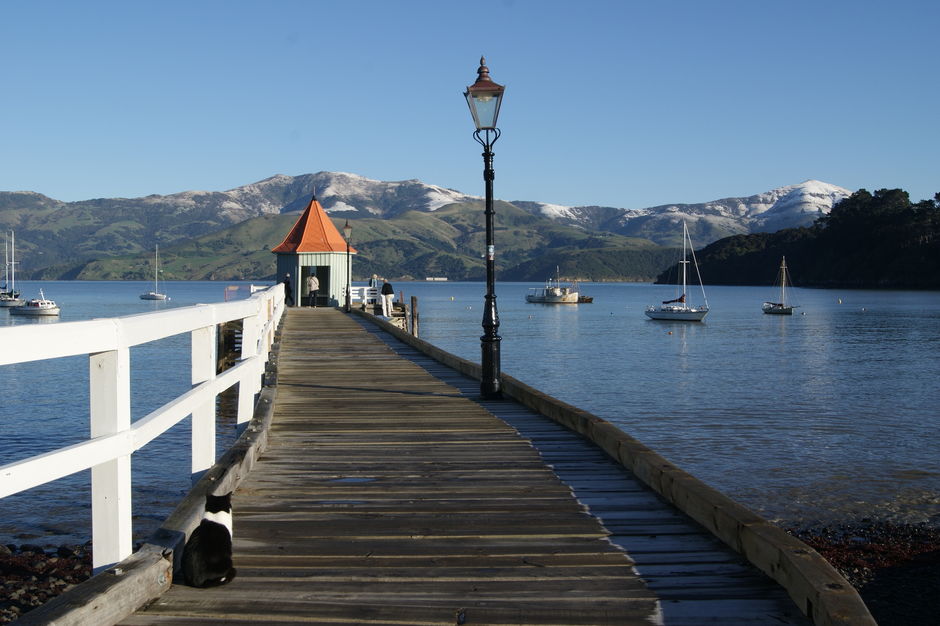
[(369, 295), (113, 437)]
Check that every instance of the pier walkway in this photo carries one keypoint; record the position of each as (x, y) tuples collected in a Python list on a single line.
[(389, 493)]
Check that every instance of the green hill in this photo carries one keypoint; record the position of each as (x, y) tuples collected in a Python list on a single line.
[(447, 242)]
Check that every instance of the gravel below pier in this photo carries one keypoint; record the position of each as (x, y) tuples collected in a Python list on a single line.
[(30, 576), (895, 567)]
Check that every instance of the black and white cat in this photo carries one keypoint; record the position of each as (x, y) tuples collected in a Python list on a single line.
[(207, 557)]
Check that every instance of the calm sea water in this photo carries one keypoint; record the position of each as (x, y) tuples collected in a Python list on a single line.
[(45, 406), (831, 414)]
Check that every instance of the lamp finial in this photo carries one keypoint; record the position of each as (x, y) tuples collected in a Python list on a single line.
[(483, 72)]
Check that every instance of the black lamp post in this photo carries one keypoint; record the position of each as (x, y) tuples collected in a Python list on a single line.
[(484, 97), (347, 233)]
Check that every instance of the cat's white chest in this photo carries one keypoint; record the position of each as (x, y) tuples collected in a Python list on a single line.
[(222, 517)]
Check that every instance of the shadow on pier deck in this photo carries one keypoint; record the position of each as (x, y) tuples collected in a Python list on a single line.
[(390, 494)]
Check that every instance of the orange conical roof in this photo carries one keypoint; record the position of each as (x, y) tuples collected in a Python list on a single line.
[(313, 232)]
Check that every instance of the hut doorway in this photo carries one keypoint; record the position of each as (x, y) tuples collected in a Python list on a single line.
[(322, 272)]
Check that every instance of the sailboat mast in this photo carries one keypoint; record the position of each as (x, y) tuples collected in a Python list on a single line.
[(685, 262), (783, 280), (12, 284)]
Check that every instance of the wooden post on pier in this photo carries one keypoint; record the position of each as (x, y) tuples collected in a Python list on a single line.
[(414, 316)]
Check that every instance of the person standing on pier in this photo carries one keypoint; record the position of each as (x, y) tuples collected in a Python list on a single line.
[(373, 284), (288, 291), (313, 285), (388, 292)]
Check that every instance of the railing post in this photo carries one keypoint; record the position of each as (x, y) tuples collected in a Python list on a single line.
[(204, 363), (247, 388), (110, 412)]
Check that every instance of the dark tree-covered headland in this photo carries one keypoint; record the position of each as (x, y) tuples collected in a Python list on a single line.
[(879, 240)]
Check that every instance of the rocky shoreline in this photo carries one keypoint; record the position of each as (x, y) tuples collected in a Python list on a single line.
[(895, 567), (30, 575)]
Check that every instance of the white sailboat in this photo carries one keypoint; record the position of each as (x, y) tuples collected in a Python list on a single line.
[(155, 294), (679, 309), (782, 307), (9, 296)]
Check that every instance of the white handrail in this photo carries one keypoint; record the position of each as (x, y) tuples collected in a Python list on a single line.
[(369, 295), (114, 438)]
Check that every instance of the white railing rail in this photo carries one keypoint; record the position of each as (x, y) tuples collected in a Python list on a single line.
[(369, 295), (113, 437)]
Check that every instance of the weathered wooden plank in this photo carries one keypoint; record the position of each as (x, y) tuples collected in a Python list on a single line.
[(386, 611), (655, 536), (388, 496)]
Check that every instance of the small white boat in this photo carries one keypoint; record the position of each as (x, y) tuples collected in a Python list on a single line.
[(782, 307), (554, 292), (9, 296), (155, 294), (37, 307), (678, 308)]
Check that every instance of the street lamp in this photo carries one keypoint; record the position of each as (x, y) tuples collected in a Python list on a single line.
[(347, 233), (484, 97)]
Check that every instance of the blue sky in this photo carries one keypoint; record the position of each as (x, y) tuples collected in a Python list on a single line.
[(618, 103)]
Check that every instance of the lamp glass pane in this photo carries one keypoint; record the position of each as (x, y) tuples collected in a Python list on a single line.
[(485, 109)]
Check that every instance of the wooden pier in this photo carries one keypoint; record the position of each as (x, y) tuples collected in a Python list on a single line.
[(389, 493)]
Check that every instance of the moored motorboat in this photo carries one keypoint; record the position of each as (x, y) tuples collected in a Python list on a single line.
[(554, 292), (678, 309), (37, 307)]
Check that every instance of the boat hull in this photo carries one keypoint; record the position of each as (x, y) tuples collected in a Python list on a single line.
[(677, 314), (777, 309), (34, 311), (10, 302), (153, 296), (565, 299), (553, 294)]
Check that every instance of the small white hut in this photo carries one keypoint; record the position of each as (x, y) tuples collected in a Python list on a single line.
[(314, 246)]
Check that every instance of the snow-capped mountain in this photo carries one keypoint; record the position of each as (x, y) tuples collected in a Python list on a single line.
[(193, 213), (351, 195), (341, 192), (785, 207)]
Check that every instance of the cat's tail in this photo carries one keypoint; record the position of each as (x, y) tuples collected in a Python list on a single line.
[(222, 580)]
